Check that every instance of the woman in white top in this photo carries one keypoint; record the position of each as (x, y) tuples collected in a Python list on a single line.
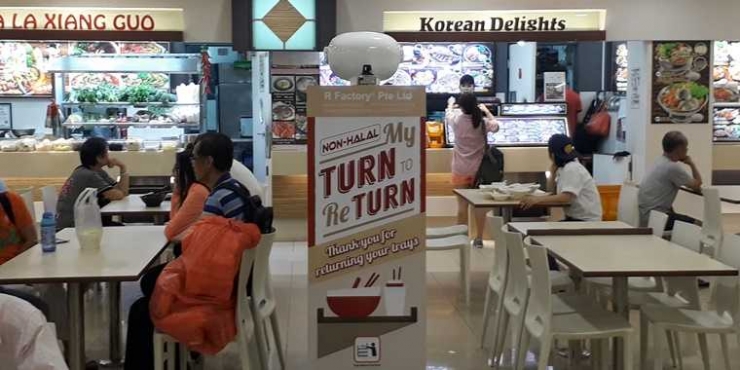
[(575, 185)]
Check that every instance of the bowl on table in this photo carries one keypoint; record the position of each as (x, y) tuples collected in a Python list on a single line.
[(354, 303), (519, 192), (24, 132), (154, 199), (500, 196)]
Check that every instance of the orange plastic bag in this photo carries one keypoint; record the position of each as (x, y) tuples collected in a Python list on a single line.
[(193, 300)]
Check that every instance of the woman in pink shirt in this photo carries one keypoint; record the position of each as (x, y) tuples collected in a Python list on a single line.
[(470, 123)]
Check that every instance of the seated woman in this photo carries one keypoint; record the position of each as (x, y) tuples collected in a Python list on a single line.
[(188, 200), (575, 186), (188, 197), (17, 234)]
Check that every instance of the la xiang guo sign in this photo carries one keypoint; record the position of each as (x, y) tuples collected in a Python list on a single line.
[(495, 21), (85, 19)]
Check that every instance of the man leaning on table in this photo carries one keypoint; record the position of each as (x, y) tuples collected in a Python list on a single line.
[(659, 189), (90, 174)]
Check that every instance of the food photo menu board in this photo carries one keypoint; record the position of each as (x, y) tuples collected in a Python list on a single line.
[(726, 72), (289, 121), (366, 228), (680, 82), (436, 66), (24, 66)]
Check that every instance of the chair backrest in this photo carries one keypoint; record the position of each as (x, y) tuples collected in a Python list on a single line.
[(539, 307), (500, 264), (627, 211), (517, 286), (28, 199), (711, 230), (687, 235), (657, 222), (50, 196), (261, 283), (725, 294), (244, 318)]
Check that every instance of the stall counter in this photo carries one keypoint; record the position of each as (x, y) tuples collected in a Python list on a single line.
[(61, 164)]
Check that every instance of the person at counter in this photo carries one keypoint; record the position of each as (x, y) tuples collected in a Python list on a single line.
[(572, 182), (659, 189), (471, 124), (90, 174), (467, 84), (188, 197)]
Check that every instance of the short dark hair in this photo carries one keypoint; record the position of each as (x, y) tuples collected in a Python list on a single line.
[(91, 149), (217, 146), (467, 80), (673, 140)]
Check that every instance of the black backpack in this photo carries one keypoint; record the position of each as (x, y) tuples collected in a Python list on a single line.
[(491, 167), (5, 203), (254, 212)]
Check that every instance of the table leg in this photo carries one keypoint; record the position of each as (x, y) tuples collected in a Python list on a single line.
[(507, 214), (75, 306), (472, 225), (114, 302), (620, 300)]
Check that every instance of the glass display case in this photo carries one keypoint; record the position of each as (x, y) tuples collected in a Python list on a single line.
[(113, 93), (437, 66), (525, 124)]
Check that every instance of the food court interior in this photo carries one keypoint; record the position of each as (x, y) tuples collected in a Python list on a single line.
[(614, 76)]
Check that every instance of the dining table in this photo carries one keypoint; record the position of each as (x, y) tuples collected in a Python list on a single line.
[(482, 199), (624, 254), (132, 205), (124, 255)]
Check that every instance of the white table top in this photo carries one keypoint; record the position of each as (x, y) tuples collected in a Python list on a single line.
[(124, 254), (133, 205), (629, 255), (524, 227), (483, 199)]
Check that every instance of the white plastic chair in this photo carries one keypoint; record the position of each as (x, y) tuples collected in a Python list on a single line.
[(497, 276), (585, 321), (462, 244), (165, 346), (516, 294), (724, 319), (443, 232), (711, 230), (627, 210), (264, 306), (50, 197)]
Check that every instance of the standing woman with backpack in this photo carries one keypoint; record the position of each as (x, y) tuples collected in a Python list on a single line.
[(471, 122)]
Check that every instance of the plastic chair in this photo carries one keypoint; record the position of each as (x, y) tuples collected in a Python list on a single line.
[(443, 232), (462, 244), (585, 321), (264, 306), (516, 294), (50, 196), (711, 230), (724, 319), (165, 346), (497, 276), (627, 210)]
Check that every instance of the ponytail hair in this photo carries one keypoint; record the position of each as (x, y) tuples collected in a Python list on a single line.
[(469, 105)]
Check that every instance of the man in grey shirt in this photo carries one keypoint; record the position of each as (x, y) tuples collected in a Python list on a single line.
[(90, 174), (659, 189)]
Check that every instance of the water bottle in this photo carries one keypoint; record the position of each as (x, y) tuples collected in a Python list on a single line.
[(48, 233)]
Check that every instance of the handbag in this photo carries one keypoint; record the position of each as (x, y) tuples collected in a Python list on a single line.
[(491, 168), (599, 123)]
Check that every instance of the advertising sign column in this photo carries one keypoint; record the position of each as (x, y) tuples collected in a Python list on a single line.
[(367, 273)]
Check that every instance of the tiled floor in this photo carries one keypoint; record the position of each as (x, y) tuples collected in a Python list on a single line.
[(453, 329)]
